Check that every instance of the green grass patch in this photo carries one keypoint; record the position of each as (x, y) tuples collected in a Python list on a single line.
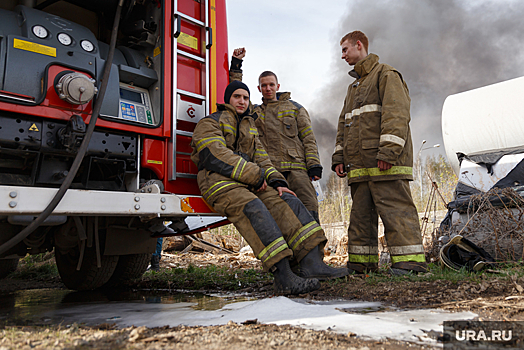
[(206, 278), (36, 267)]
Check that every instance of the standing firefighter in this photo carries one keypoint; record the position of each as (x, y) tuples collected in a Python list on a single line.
[(374, 149), (286, 134), (234, 173)]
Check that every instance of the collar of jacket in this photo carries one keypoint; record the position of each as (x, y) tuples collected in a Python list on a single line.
[(281, 96), (365, 66), (230, 108)]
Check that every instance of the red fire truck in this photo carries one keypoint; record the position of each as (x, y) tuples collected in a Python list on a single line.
[(98, 101)]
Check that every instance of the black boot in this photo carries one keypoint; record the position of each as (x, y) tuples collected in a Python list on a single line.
[(312, 266), (155, 262), (286, 282)]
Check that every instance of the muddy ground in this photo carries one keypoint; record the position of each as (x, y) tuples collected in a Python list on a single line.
[(494, 296)]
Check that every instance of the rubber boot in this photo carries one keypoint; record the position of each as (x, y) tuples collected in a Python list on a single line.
[(155, 262), (312, 266), (408, 267), (287, 283)]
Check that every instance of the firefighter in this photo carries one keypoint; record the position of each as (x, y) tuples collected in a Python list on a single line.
[(237, 179), (374, 150), (286, 134)]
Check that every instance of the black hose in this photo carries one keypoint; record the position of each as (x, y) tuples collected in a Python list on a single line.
[(83, 147)]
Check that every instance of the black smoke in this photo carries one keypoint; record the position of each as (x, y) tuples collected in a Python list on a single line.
[(441, 47)]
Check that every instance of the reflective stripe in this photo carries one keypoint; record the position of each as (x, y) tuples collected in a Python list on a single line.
[(303, 233), (204, 142), (270, 171), (356, 258), (287, 113), (306, 132), (393, 139), (312, 156), (293, 165), (261, 152), (237, 167), (339, 148), (363, 249), (395, 170), (407, 249), (230, 128), (227, 183), (262, 116), (253, 131), (272, 249), (404, 258), (366, 109)]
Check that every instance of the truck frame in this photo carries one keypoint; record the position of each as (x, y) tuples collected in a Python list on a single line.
[(98, 102)]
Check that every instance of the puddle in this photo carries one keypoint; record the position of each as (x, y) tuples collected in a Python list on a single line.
[(159, 308)]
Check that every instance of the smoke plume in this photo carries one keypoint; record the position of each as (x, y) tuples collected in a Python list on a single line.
[(440, 47)]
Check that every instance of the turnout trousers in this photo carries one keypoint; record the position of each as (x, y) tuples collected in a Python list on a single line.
[(392, 201), (275, 227), (300, 183)]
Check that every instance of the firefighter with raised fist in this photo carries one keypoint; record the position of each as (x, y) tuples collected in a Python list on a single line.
[(286, 134), (237, 179)]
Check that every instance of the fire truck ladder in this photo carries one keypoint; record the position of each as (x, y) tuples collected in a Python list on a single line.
[(180, 107)]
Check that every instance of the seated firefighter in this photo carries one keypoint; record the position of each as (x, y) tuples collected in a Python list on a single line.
[(234, 174)]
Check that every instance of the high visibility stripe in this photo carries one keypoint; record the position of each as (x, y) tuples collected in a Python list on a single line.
[(218, 189), (270, 171), (287, 113), (306, 132), (303, 233), (262, 116), (293, 165), (261, 152), (230, 128), (361, 249), (393, 139), (242, 170), (404, 258), (253, 131), (407, 249), (237, 167), (272, 249), (204, 142), (339, 148), (395, 170), (312, 156), (366, 109), (356, 258)]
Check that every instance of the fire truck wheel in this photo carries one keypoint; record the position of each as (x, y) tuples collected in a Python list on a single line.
[(90, 276), (7, 266), (130, 267)]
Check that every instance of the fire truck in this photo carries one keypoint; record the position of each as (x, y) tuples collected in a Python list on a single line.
[(98, 102)]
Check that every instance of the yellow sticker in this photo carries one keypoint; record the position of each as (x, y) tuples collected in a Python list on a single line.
[(34, 47), (184, 205), (33, 127), (188, 40), (156, 51), (154, 161)]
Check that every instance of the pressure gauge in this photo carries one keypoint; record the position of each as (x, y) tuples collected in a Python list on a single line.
[(87, 45), (64, 39), (40, 32)]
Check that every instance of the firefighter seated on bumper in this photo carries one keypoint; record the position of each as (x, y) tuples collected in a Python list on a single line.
[(234, 174)]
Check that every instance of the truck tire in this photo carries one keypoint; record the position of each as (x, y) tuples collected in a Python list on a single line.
[(7, 266), (130, 267), (90, 276)]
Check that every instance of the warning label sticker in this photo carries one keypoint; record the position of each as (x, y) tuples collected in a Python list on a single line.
[(188, 40), (34, 47)]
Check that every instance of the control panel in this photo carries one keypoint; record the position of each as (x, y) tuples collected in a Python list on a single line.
[(135, 105)]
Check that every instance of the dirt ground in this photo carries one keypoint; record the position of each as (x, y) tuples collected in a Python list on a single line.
[(493, 297)]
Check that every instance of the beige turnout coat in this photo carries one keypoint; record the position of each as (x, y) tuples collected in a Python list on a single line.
[(229, 154), (374, 124)]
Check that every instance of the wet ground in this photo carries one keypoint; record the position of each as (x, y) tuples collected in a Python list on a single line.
[(368, 320)]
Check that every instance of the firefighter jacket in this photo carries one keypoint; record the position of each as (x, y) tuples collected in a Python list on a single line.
[(374, 124), (285, 131), (229, 154)]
